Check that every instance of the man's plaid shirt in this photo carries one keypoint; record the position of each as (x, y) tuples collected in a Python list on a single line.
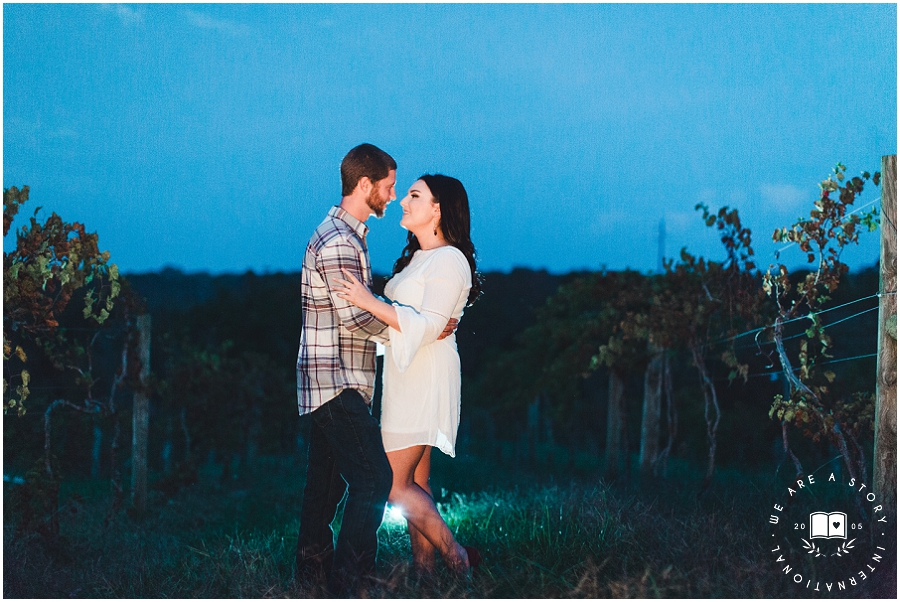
[(337, 348)]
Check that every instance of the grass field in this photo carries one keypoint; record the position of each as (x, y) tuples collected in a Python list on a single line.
[(542, 536)]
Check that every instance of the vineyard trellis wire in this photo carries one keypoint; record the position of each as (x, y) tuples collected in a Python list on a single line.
[(834, 361), (758, 344), (806, 317)]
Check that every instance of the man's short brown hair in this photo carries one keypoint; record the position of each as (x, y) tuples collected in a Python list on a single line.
[(365, 160)]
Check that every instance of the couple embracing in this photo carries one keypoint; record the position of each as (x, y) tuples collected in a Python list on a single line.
[(433, 281)]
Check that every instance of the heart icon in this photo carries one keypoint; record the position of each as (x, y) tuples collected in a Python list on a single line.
[(836, 525)]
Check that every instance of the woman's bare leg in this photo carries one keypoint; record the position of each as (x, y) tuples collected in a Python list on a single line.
[(422, 550), (419, 509)]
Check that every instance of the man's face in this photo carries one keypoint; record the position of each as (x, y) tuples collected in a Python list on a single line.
[(382, 193)]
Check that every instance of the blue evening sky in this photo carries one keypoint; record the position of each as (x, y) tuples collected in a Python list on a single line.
[(209, 136)]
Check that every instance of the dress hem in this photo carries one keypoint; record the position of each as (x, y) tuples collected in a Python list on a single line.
[(451, 453)]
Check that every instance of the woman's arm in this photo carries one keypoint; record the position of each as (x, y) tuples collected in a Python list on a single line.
[(445, 279), (355, 292), (410, 329)]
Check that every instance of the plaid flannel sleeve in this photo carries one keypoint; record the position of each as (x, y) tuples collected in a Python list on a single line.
[(342, 255)]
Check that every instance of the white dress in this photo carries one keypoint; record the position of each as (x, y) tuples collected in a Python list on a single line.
[(421, 382)]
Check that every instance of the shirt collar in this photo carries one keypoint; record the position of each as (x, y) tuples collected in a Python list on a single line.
[(359, 227)]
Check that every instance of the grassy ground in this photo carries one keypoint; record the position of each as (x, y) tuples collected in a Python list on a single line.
[(541, 537)]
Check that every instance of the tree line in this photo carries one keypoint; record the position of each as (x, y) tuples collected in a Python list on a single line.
[(626, 367)]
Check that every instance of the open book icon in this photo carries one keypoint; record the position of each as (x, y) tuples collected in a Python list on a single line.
[(828, 525)]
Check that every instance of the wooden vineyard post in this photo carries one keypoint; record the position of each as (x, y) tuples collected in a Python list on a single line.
[(650, 419), (141, 419), (885, 468), (615, 427)]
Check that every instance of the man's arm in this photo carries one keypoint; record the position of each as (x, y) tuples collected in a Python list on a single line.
[(449, 329), (332, 258)]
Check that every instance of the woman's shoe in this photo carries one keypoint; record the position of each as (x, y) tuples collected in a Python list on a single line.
[(475, 558)]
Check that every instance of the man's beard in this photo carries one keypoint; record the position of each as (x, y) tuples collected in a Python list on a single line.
[(375, 203)]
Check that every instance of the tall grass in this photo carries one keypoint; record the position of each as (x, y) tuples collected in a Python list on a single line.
[(540, 536)]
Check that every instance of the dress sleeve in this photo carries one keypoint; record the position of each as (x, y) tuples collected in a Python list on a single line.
[(445, 280)]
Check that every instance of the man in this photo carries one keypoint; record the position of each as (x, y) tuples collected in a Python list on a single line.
[(335, 383)]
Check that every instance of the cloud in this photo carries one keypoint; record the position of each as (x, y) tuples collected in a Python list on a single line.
[(128, 15), (612, 218), (682, 221), (21, 133), (204, 21), (63, 132), (24, 131), (784, 196)]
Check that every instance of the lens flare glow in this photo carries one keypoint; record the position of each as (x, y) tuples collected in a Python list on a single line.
[(394, 514)]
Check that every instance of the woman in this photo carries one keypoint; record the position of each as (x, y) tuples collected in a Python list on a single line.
[(433, 280)]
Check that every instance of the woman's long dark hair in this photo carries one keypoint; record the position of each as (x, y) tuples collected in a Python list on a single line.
[(455, 224)]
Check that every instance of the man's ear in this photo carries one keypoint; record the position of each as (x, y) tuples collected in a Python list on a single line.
[(364, 185)]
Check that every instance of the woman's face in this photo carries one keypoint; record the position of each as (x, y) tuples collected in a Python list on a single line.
[(419, 209)]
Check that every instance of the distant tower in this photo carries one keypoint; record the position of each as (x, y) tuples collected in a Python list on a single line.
[(661, 250)]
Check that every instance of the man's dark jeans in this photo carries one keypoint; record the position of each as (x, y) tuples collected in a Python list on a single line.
[(345, 445)]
